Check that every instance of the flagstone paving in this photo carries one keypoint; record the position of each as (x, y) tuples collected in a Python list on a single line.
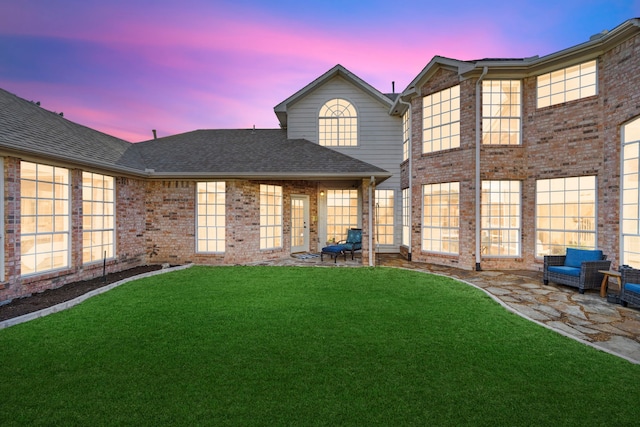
[(586, 317)]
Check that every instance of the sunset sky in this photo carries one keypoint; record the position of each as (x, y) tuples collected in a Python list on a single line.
[(125, 67)]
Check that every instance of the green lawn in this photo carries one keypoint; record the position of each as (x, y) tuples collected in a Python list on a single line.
[(304, 346)]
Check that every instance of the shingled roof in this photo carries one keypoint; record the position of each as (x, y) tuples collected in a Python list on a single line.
[(263, 153), (25, 127)]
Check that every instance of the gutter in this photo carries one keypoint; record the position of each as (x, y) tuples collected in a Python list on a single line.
[(410, 162), (477, 180)]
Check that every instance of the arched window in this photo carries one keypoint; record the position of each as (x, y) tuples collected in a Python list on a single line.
[(338, 123)]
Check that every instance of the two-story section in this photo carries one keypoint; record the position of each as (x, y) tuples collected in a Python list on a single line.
[(340, 111), (509, 160)]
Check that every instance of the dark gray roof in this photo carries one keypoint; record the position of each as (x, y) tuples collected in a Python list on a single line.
[(27, 127), (249, 152)]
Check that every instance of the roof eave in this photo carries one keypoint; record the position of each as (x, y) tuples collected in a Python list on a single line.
[(74, 160), (316, 177)]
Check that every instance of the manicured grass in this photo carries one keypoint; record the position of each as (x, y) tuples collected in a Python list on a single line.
[(304, 346)]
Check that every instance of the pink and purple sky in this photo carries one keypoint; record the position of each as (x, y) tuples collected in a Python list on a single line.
[(125, 67)]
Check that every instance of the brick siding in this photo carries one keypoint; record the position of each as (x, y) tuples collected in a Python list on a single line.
[(576, 138)]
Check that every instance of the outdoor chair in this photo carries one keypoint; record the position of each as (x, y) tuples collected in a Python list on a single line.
[(578, 268), (353, 242), (630, 288)]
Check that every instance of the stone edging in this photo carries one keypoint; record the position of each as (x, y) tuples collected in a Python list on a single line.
[(73, 302)]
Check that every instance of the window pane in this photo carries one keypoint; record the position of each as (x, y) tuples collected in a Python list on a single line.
[(338, 123), (44, 217), (210, 221), (98, 217), (565, 214), (500, 218), (270, 216), (440, 225), (441, 120), (342, 213), (568, 84), (385, 213)]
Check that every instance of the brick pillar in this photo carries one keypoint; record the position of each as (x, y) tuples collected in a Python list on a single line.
[(368, 212)]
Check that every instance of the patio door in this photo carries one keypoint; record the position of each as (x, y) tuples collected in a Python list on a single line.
[(299, 224)]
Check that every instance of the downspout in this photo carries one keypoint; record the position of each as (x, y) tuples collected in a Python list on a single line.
[(408, 104), (371, 184), (478, 183)]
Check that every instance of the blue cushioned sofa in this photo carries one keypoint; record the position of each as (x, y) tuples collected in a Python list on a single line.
[(577, 268), (630, 292)]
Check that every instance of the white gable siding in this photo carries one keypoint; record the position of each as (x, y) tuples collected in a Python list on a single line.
[(379, 134)]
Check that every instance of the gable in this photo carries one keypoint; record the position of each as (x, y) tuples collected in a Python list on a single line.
[(303, 114), (282, 109)]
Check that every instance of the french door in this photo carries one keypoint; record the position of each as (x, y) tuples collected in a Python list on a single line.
[(299, 224)]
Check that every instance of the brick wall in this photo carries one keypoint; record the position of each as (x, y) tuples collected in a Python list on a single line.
[(129, 235), (454, 165), (170, 222), (572, 139), (155, 223)]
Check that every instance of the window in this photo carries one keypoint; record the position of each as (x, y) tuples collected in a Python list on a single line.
[(342, 213), (270, 216), (567, 84), (441, 217), (501, 111), (630, 215), (211, 217), (500, 218), (98, 217), (406, 129), (565, 214), (406, 217), (338, 124), (44, 218), (441, 120), (385, 217)]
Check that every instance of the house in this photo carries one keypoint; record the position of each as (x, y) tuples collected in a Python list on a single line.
[(366, 131), (513, 159), (78, 201), (484, 164)]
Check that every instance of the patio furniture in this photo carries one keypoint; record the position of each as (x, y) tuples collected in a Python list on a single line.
[(630, 288), (353, 242), (333, 251), (578, 268), (605, 281)]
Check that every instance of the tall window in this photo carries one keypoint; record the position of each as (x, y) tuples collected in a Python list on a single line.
[(342, 213), (500, 218), (406, 129), (441, 217), (441, 120), (406, 217), (211, 218), (565, 214), (44, 218), (98, 217), (270, 216), (567, 84), (501, 111), (385, 224), (338, 123), (631, 194)]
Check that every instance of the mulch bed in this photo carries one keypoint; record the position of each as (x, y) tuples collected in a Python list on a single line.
[(51, 297)]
